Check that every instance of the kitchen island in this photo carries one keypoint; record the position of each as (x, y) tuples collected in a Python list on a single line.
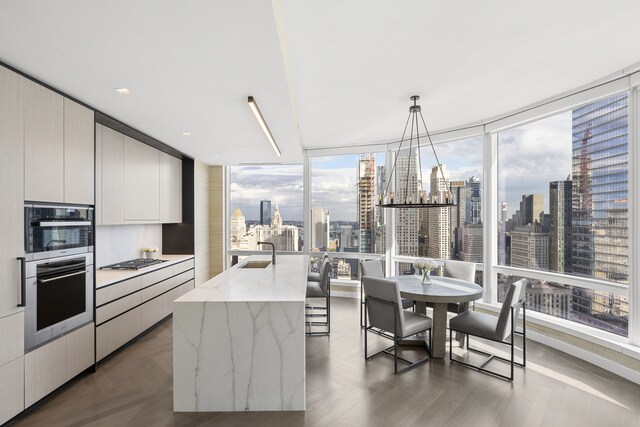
[(239, 339)]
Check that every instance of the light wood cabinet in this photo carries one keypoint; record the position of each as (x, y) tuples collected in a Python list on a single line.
[(111, 203), (48, 367), (170, 189), (128, 308), (11, 389), (135, 183), (117, 332), (98, 163), (43, 143), (11, 366), (11, 189), (78, 153), (141, 182)]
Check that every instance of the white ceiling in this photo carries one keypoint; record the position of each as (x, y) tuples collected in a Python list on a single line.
[(325, 74)]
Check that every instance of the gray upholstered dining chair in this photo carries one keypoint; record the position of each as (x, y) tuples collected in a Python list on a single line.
[(321, 289), (459, 270), (313, 276), (501, 329), (373, 268), (387, 318)]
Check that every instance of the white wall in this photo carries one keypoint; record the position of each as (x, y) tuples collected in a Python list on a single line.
[(115, 243)]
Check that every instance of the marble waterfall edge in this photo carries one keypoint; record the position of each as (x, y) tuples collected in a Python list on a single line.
[(239, 356)]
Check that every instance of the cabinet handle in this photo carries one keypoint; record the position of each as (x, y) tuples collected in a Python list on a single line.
[(42, 281), (23, 288)]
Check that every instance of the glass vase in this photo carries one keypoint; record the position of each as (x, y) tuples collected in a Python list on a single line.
[(426, 278)]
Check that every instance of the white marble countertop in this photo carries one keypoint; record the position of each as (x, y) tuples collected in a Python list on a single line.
[(285, 281), (107, 277)]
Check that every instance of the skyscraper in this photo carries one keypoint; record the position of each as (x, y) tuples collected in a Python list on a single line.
[(458, 216), (560, 226), (599, 222), (531, 209), (366, 201), (473, 201), (439, 226), (407, 220), (380, 240), (319, 229), (600, 175), (265, 212), (530, 247), (238, 228)]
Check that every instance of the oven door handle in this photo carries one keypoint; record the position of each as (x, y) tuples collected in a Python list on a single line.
[(23, 284), (61, 277), (62, 223)]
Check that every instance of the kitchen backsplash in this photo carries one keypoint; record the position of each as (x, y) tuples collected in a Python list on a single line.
[(116, 243)]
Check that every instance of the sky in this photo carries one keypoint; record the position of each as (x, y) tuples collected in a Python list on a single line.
[(529, 157)]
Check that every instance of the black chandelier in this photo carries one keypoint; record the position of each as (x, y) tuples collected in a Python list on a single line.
[(415, 199)]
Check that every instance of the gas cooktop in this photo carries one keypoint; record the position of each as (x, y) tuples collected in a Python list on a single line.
[(133, 264)]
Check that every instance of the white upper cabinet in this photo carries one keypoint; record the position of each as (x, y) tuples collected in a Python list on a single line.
[(141, 182), (78, 153), (170, 189), (135, 183), (110, 207), (43, 143)]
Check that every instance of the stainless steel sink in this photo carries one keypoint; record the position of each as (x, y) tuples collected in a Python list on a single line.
[(256, 264)]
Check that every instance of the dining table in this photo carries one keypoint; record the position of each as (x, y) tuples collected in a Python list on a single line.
[(440, 292)]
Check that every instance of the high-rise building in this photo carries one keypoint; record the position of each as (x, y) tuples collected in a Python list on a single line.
[(439, 226), (319, 229), (599, 223), (530, 247), (381, 234), (407, 220), (600, 188), (458, 216), (265, 212), (548, 298), (560, 226), (472, 243), (366, 201), (531, 210), (238, 228), (473, 205)]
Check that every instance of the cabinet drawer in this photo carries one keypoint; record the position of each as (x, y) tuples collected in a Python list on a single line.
[(114, 308), (156, 276), (50, 366), (157, 289), (109, 293), (80, 350), (156, 310), (117, 332), (183, 266), (11, 337), (183, 289), (12, 390), (45, 369), (183, 277)]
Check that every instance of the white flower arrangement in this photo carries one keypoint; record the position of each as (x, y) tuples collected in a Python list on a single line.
[(425, 264), (150, 249)]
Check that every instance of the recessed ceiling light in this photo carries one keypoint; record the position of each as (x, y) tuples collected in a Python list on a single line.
[(122, 90), (185, 133)]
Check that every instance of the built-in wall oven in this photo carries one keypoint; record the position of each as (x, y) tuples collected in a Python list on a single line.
[(57, 230), (58, 272), (59, 297)]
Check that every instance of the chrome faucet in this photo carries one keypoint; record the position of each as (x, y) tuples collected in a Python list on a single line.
[(273, 251)]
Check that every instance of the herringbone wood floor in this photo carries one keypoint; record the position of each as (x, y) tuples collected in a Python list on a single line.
[(133, 388)]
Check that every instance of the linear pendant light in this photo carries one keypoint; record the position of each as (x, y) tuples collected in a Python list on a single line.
[(263, 124)]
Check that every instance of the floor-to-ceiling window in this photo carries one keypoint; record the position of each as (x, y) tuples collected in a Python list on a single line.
[(442, 233), (562, 191), (265, 205), (344, 216)]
